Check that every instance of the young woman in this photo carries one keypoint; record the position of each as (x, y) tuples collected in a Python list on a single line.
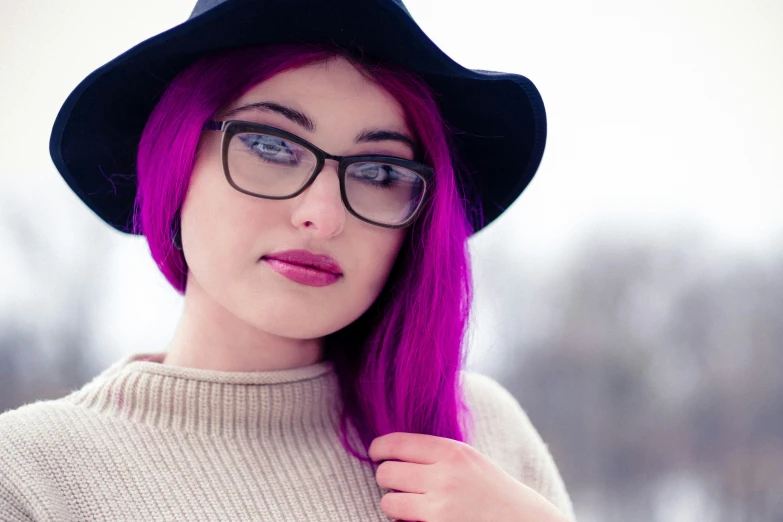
[(307, 176)]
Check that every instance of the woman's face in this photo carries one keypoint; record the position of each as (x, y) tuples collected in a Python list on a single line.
[(225, 232)]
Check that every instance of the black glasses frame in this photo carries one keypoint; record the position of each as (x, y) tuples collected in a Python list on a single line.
[(230, 128)]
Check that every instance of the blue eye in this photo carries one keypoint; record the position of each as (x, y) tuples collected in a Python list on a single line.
[(376, 174), (271, 148)]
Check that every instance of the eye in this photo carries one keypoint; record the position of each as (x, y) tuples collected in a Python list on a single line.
[(271, 148), (371, 171), (381, 175)]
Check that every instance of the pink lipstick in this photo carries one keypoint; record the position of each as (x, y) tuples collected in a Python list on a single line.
[(304, 267)]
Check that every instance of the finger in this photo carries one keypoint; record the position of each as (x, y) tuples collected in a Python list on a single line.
[(410, 447), (404, 476), (405, 506)]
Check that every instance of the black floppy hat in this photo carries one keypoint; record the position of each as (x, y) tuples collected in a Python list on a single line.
[(499, 117)]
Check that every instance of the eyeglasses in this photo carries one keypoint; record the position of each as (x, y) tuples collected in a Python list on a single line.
[(270, 163)]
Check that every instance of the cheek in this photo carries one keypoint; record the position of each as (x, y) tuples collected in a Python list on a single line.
[(221, 226), (204, 214), (380, 254)]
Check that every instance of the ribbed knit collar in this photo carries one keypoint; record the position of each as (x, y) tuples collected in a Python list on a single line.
[(141, 389)]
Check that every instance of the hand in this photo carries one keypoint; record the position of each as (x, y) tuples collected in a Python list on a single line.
[(443, 480)]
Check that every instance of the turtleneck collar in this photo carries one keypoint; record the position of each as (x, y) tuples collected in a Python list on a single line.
[(142, 389)]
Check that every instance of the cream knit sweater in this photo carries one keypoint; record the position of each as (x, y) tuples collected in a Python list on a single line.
[(151, 441)]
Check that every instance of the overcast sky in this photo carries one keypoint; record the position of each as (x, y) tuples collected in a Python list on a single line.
[(663, 116)]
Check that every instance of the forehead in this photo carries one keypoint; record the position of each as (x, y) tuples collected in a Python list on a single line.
[(332, 92)]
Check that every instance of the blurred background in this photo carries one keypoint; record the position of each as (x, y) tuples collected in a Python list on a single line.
[(629, 298)]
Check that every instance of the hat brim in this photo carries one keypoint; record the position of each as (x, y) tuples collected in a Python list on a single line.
[(500, 117)]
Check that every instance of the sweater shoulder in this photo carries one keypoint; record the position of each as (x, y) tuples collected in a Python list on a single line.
[(499, 419), (503, 431), (42, 419), (53, 420), (485, 390), (35, 439)]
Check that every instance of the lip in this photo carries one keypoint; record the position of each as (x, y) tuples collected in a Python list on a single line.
[(304, 267), (308, 259)]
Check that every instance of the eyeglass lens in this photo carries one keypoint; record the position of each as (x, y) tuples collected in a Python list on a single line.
[(269, 165)]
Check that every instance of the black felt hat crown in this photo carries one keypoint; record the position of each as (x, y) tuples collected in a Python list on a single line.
[(499, 117)]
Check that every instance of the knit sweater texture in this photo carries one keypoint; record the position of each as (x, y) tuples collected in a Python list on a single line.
[(150, 441)]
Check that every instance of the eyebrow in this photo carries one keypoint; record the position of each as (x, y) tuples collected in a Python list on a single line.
[(304, 121)]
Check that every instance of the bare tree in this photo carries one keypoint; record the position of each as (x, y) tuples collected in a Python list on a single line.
[(657, 360)]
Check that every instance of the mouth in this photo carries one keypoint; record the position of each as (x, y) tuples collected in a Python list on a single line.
[(301, 265), (306, 259), (302, 274)]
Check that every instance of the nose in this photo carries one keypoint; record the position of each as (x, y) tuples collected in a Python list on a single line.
[(319, 209)]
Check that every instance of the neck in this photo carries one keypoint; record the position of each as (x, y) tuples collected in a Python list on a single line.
[(211, 337)]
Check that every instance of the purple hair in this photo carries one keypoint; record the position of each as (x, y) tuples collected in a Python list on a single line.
[(398, 364)]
